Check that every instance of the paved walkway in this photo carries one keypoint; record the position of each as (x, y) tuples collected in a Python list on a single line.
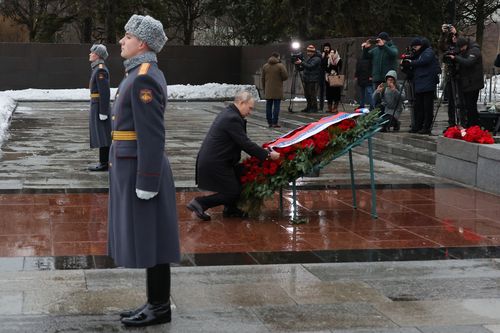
[(406, 297), (48, 148)]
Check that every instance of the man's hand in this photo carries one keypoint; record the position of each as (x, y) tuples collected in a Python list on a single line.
[(145, 195), (380, 42), (103, 116), (366, 44), (298, 62), (380, 87), (274, 155)]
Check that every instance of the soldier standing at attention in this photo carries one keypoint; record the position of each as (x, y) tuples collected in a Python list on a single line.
[(143, 231), (99, 124)]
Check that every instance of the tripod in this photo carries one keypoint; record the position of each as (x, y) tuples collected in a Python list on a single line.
[(455, 94), (295, 76)]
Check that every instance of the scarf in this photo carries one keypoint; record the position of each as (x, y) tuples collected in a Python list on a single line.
[(333, 58), (139, 59)]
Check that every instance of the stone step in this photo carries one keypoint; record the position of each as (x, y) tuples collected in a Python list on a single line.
[(404, 150), (427, 142), (412, 164)]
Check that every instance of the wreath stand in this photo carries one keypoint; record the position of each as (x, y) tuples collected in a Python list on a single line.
[(366, 136)]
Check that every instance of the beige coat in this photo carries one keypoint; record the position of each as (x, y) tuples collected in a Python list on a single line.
[(273, 75)]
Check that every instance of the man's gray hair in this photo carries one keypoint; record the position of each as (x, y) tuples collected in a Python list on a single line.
[(243, 96)]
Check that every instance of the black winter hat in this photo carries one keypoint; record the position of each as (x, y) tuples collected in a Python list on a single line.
[(461, 42), (416, 41), (384, 36)]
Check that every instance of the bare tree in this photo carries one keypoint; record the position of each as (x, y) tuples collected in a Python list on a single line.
[(478, 13), (42, 18), (183, 16)]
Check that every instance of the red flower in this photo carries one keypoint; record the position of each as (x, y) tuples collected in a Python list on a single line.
[(453, 133), (346, 124)]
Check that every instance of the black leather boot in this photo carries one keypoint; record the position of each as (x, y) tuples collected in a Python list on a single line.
[(157, 309), (130, 313)]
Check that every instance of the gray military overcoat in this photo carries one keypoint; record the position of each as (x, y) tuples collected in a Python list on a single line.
[(100, 130), (142, 233)]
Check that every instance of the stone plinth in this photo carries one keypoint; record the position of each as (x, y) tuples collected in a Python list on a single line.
[(469, 163)]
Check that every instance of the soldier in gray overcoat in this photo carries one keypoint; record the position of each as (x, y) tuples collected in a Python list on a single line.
[(143, 231), (219, 155), (99, 123)]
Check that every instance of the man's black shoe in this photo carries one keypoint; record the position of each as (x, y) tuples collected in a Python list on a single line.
[(131, 313), (305, 110), (195, 207), (234, 212), (424, 131), (99, 167), (152, 314)]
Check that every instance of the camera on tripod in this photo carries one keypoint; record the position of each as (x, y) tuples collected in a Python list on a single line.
[(296, 53), (406, 57)]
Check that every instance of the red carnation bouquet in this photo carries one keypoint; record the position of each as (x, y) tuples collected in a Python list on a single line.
[(471, 134), (261, 179)]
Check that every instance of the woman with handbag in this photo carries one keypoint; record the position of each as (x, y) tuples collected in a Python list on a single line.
[(334, 81)]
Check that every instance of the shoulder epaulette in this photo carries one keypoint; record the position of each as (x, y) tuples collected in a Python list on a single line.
[(144, 68), (101, 66)]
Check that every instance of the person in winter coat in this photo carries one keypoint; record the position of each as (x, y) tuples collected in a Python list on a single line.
[(312, 75), (384, 57), (389, 97), (217, 167), (425, 77), (333, 94), (274, 74), (470, 69), (363, 76), (143, 230), (326, 49), (99, 122)]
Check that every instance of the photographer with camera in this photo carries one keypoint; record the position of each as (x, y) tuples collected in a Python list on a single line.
[(384, 56), (471, 80), (311, 66), (425, 68), (447, 45), (389, 97)]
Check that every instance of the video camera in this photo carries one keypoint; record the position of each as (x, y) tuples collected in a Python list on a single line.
[(296, 53), (406, 56), (452, 50)]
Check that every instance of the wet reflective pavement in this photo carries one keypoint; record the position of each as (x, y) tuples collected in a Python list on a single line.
[(424, 223), (343, 271)]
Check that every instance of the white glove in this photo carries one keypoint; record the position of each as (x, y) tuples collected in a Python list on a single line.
[(145, 195), (103, 116)]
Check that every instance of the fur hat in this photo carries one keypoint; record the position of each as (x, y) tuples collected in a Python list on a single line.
[(311, 48), (100, 50), (384, 36), (148, 30)]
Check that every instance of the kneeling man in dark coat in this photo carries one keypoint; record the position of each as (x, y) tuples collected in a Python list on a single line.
[(219, 157)]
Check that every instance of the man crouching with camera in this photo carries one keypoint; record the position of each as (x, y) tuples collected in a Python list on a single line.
[(470, 72)]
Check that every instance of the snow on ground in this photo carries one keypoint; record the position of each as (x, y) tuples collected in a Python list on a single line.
[(7, 105), (206, 91)]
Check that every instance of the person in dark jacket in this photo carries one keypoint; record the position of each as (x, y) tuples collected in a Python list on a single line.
[(333, 94), (363, 76), (143, 230), (448, 42), (327, 48), (99, 122), (219, 155), (425, 77), (312, 74), (471, 76), (274, 74), (384, 56)]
